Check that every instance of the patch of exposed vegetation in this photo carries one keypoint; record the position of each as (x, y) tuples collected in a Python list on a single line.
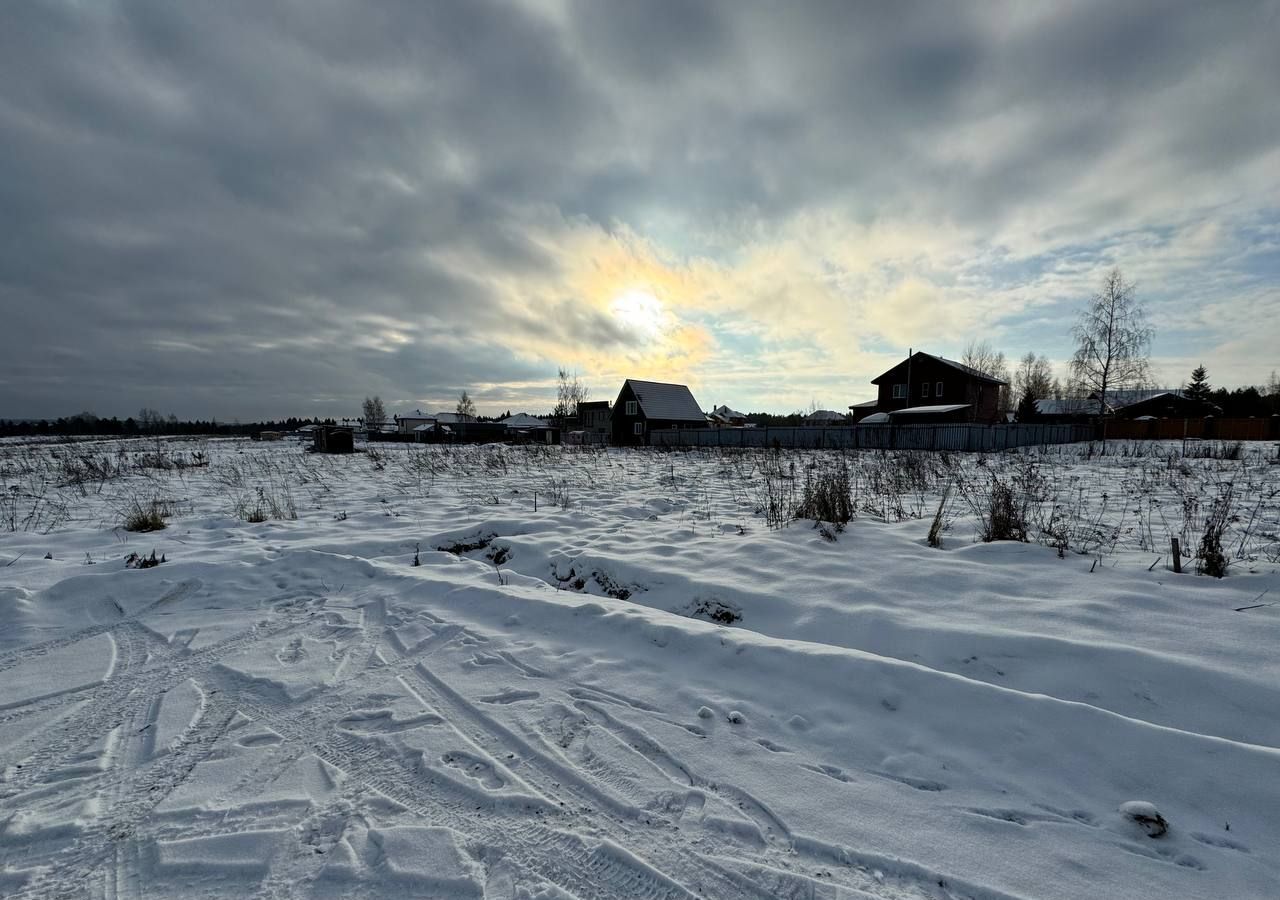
[(715, 610)]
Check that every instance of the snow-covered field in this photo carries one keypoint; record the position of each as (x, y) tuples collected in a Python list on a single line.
[(617, 680)]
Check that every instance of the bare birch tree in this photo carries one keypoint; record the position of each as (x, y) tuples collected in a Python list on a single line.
[(570, 392), (1033, 377), (466, 408), (1113, 340), (980, 355), (374, 413)]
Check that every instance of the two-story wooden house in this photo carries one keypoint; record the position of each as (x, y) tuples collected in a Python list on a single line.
[(925, 380)]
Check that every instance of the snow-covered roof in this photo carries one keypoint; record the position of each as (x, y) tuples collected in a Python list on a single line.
[(1119, 399), (1072, 406), (425, 426), (865, 404), (416, 416), (725, 412), (825, 415), (929, 410), (879, 418), (452, 418), (523, 420), (659, 400)]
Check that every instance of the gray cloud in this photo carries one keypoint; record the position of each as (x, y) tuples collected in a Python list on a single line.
[(223, 208)]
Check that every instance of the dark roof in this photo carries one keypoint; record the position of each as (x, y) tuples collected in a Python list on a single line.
[(593, 404), (1072, 406), (673, 402), (1119, 398), (967, 370)]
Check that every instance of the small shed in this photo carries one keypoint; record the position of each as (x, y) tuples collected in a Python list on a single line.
[(333, 439), (859, 411)]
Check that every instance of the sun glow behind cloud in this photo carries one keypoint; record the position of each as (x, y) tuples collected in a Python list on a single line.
[(640, 313)]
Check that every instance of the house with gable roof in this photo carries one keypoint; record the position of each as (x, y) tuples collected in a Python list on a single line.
[(643, 407), (923, 381)]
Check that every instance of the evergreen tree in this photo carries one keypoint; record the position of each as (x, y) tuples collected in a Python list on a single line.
[(1027, 405), (1199, 388)]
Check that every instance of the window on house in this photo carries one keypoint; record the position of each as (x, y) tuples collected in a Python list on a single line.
[(899, 391), (632, 408), (924, 390), (937, 389), (638, 428)]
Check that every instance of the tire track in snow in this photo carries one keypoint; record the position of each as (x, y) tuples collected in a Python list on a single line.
[(115, 701), (140, 792), (22, 654)]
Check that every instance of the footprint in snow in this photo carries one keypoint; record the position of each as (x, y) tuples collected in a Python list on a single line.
[(473, 767)]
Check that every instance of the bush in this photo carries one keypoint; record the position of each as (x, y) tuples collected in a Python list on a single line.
[(148, 516), (827, 497), (1210, 559), (939, 519), (266, 504), (1005, 519)]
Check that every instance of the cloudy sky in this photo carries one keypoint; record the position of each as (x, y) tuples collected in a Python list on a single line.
[(248, 209)]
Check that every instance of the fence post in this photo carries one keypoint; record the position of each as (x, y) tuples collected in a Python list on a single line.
[(1177, 555)]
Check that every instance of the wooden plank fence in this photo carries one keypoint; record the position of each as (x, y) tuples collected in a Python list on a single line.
[(1210, 428), (958, 437)]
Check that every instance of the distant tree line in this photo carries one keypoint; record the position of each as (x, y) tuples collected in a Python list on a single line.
[(147, 422)]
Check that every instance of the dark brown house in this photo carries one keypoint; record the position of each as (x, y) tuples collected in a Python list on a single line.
[(1156, 403), (643, 407), (923, 379), (593, 416)]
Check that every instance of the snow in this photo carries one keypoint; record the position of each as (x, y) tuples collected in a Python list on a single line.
[(638, 689), (929, 410)]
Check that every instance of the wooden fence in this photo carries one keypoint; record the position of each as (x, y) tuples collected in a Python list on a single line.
[(959, 437), (1210, 428)]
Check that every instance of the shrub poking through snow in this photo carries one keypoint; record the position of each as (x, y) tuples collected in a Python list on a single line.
[(134, 561), (140, 516), (939, 521), (714, 610), (1001, 511), (1146, 816), (1004, 520), (467, 545), (1211, 560), (266, 504), (578, 582), (826, 496)]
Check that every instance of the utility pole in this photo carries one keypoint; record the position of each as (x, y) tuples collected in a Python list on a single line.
[(910, 353)]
